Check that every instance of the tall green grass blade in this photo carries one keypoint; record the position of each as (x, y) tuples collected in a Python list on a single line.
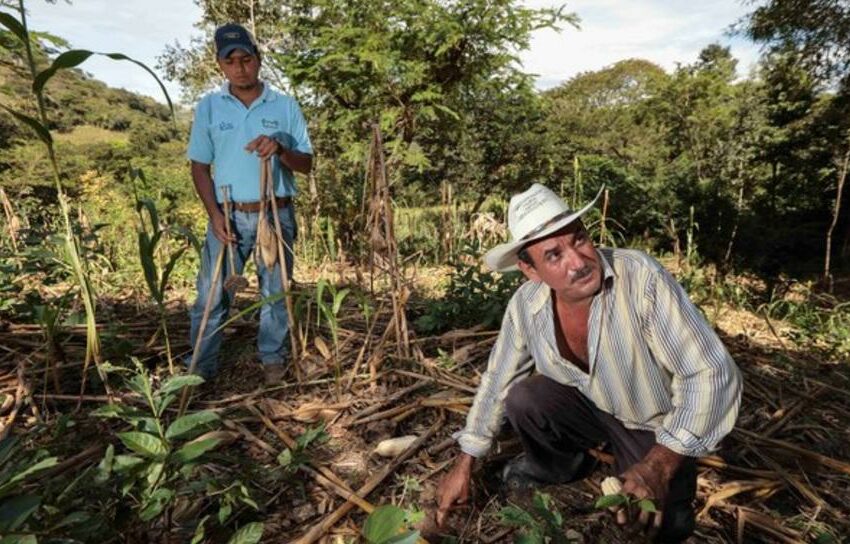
[(14, 26), (75, 57), (40, 130)]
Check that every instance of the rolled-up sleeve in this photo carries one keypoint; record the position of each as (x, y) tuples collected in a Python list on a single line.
[(300, 138), (509, 362), (706, 383)]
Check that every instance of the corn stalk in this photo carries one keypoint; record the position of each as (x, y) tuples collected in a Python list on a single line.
[(68, 59)]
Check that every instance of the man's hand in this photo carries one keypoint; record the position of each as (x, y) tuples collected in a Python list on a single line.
[(264, 146), (217, 222), (650, 479), (454, 487)]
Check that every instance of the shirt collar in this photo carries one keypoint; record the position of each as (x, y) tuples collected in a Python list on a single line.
[(266, 96), (542, 292)]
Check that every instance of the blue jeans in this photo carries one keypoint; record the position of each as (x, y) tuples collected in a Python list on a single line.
[(273, 337)]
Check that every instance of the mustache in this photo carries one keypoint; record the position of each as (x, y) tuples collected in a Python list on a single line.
[(581, 273)]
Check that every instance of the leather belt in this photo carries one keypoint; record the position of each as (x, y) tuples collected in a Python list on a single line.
[(254, 207)]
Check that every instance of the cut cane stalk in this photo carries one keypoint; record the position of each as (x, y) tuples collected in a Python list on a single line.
[(184, 398), (234, 282), (284, 273), (267, 243)]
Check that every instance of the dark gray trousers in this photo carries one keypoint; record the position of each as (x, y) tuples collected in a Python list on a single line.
[(555, 421)]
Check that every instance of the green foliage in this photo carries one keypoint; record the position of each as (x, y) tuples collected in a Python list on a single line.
[(292, 459), (539, 525), (474, 296), (329, 310), (249, 534), (820, 321), (73, 58), (32, 504), (16, 504), (618, 499), (165, 462), (389, 524), (150, 236)]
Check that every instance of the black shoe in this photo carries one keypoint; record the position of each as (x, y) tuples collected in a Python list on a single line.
[(521, 474)]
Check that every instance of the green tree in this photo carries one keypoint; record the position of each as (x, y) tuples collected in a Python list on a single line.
[(425, 71), (818, 31)]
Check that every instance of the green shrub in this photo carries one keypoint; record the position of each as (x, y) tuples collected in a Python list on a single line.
[(474, 296)]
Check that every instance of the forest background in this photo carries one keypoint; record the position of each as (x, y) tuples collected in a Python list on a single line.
[(736, 181)]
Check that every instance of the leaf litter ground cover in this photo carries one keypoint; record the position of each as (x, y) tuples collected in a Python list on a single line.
[(307, 452)]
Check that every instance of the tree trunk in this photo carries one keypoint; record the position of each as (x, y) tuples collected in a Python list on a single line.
[(842, 176), (739, 206)]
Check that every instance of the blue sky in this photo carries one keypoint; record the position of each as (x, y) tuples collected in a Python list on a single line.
[(662, 31)]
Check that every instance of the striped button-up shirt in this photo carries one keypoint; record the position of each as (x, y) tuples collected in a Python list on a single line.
[(654, 362)]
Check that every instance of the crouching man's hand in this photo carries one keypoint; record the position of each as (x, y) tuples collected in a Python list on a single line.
[(650, 479), (454, 487)]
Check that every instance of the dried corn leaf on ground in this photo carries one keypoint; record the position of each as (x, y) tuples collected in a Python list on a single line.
[(782, 476)]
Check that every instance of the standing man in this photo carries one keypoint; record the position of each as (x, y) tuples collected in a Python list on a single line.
[(618, 354), (236, 127)]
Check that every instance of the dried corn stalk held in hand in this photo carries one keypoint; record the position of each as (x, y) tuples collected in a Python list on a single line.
[(269, 249), (266, 246), (234, 282)]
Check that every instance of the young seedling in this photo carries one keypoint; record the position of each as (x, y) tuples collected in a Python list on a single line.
[(613, 497)]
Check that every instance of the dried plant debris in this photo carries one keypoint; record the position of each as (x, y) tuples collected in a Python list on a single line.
[(368, 427)]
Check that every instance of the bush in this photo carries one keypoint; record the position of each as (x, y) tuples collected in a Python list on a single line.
[(474, 296)]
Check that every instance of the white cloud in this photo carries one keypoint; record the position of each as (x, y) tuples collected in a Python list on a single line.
[(139, 29), (663, 31), (666, 32)]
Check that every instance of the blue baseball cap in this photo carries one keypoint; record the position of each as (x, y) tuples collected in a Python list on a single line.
[(231, 37)]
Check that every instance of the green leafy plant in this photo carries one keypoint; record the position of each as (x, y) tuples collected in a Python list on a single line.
[(292, 458), (18, 502), (328, 311), (166, 463), (539, 525), (389, 524), (474, 296), (151, 235), (66, 60), (619, 499), (820, 320)]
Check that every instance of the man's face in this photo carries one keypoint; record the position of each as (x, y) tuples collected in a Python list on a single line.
[(241, 69), (567, 262)]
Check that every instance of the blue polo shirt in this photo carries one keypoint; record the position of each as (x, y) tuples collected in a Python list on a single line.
[(222, 128)]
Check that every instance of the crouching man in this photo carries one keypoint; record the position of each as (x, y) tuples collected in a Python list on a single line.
[(601, 345)]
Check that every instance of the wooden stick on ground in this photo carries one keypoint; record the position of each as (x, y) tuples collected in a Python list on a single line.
[(834, 464), (318, 530)]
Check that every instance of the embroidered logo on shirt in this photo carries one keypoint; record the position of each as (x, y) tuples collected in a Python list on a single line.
[(224, 125), (270, 123)]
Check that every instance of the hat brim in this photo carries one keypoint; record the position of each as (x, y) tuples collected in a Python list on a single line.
[(503, 257), (228, 49)]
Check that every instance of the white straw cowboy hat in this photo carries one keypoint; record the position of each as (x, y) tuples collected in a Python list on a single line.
[(533, 214)]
